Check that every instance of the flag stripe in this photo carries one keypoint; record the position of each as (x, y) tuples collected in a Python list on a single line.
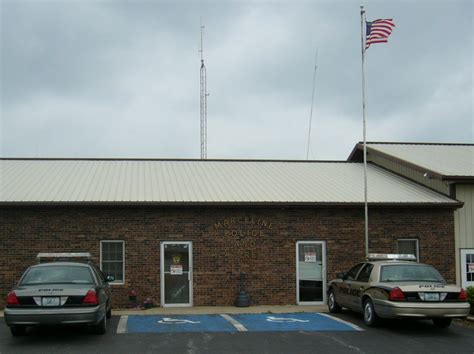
[(378, 31)]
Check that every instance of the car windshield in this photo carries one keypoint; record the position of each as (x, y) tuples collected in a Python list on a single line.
[(58, 275), (409, 272)]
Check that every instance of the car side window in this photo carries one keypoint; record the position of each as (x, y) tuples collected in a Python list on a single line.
[(364, 274), (100, 276), (352, 273)]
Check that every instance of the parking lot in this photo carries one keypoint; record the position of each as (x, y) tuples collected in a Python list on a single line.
[(249, 333)]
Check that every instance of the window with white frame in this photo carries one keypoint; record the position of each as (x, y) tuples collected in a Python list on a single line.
[(408, 246), (112, 260)]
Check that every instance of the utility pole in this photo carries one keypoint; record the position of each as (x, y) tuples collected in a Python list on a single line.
[(203, 101)]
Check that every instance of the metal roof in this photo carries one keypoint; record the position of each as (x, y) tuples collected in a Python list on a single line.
[(455, 160), (204, 181)]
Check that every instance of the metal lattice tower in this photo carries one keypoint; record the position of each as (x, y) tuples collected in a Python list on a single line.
[(203, 102)]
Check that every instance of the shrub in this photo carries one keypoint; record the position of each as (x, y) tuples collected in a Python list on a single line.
[(470, 297)]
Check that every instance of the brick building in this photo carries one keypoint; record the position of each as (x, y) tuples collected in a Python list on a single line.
[(182, 231)]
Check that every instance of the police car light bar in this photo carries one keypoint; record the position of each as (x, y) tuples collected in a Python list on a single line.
[(64, 256), (389, 256)]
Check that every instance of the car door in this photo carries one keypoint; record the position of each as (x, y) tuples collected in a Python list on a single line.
[(345, 286), (359, 285)]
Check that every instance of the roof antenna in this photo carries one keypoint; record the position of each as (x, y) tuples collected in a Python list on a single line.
[(312, 101), (203, 101)]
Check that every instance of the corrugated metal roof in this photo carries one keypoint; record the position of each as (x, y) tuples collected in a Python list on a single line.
[(444, 159), (197, 181)]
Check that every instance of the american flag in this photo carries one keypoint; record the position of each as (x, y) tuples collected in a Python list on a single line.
[(378, 31)]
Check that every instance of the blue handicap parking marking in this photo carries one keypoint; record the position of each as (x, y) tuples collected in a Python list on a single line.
[(178, 323), (292, 322)]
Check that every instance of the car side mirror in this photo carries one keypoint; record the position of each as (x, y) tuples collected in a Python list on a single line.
[(110, 278), (342, 275)]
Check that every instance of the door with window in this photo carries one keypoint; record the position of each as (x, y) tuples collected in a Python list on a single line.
[(310, 272), (467, 267), (176, 273)]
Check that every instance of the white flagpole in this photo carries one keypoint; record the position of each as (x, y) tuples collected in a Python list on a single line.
[(366, 209)]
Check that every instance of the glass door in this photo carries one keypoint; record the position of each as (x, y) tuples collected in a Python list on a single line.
[(176, 273), (310, 273), (467, 267)]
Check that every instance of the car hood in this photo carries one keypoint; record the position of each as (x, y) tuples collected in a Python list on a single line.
[(53, 290)]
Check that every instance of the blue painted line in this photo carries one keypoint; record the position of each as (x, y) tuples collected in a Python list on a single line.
[(178, 323), (290, 322)]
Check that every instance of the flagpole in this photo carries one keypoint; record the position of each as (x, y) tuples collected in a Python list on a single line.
[(366, 209)]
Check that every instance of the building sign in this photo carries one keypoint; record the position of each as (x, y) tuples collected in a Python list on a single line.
[(242, 233), (243, 227)]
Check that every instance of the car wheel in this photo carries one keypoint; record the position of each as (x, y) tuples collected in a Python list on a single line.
[(332, 304), (370, 317), (101, 327), (442, 322), (18, 331), (108, 314)]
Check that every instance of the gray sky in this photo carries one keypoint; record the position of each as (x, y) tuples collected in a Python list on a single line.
[(121, 78)]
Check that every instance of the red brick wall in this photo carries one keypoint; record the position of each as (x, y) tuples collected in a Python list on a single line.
[(268, 257)]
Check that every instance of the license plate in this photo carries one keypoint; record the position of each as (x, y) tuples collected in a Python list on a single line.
[(431, 297), (50, 301)]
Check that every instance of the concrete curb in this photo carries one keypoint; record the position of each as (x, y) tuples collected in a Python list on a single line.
[(470, 318)]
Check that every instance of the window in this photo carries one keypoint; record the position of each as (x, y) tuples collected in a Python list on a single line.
[(364, 274), (408, 246), (351, 274), (112, 260), (410, 272)]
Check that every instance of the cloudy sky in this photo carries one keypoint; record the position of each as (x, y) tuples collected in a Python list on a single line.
[(121, 78)]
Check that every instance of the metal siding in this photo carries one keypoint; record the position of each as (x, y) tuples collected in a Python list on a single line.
[(203, 181), (464, 222), (445, 159), (408, 172)]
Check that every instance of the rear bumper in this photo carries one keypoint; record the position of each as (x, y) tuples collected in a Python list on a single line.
[(389, 309), (57, 316)]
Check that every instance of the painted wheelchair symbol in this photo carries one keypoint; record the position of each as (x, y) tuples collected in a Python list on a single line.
[(284, 319), (168, 320)]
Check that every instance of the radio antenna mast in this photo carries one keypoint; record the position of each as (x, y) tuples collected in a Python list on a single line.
[(312, 101), (203, 101)]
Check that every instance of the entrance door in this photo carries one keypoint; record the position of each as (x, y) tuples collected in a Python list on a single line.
[(176, 273), (467, 268), (310, 272)]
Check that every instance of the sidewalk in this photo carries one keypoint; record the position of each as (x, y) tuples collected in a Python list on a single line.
[(210, 310)]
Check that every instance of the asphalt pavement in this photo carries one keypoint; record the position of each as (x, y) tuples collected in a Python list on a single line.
[(284, 333)]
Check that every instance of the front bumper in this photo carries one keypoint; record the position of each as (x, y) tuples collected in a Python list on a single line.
[(392, 309), (53, 316)]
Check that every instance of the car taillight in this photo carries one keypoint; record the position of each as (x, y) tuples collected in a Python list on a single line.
[(396, 294), (91, 298), (462, 295), (12, 299)]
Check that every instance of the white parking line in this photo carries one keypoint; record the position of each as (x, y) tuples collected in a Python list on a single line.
[(356, 327), (239, 326), (122, 325)]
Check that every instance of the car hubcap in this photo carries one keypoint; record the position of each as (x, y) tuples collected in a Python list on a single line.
[(331, 300), (368, 312)]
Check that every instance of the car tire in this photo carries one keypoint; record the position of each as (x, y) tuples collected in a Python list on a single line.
[(18, 331), (370, 317), (442, 322), (108, 314), (333, 306), (101, 327)]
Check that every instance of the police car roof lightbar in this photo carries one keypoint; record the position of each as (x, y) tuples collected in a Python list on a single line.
[(391, 256), (63, 256)]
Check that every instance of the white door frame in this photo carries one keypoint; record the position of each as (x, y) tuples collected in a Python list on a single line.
[(323, 270), (162, 272), (462, 262)]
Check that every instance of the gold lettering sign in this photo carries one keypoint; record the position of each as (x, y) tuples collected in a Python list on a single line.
[(243, 227)]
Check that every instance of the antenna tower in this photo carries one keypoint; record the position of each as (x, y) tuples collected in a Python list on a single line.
[(203, 102)]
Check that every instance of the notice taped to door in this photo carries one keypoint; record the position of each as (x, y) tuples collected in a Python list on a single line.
[(310, 257), (176, 269)]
